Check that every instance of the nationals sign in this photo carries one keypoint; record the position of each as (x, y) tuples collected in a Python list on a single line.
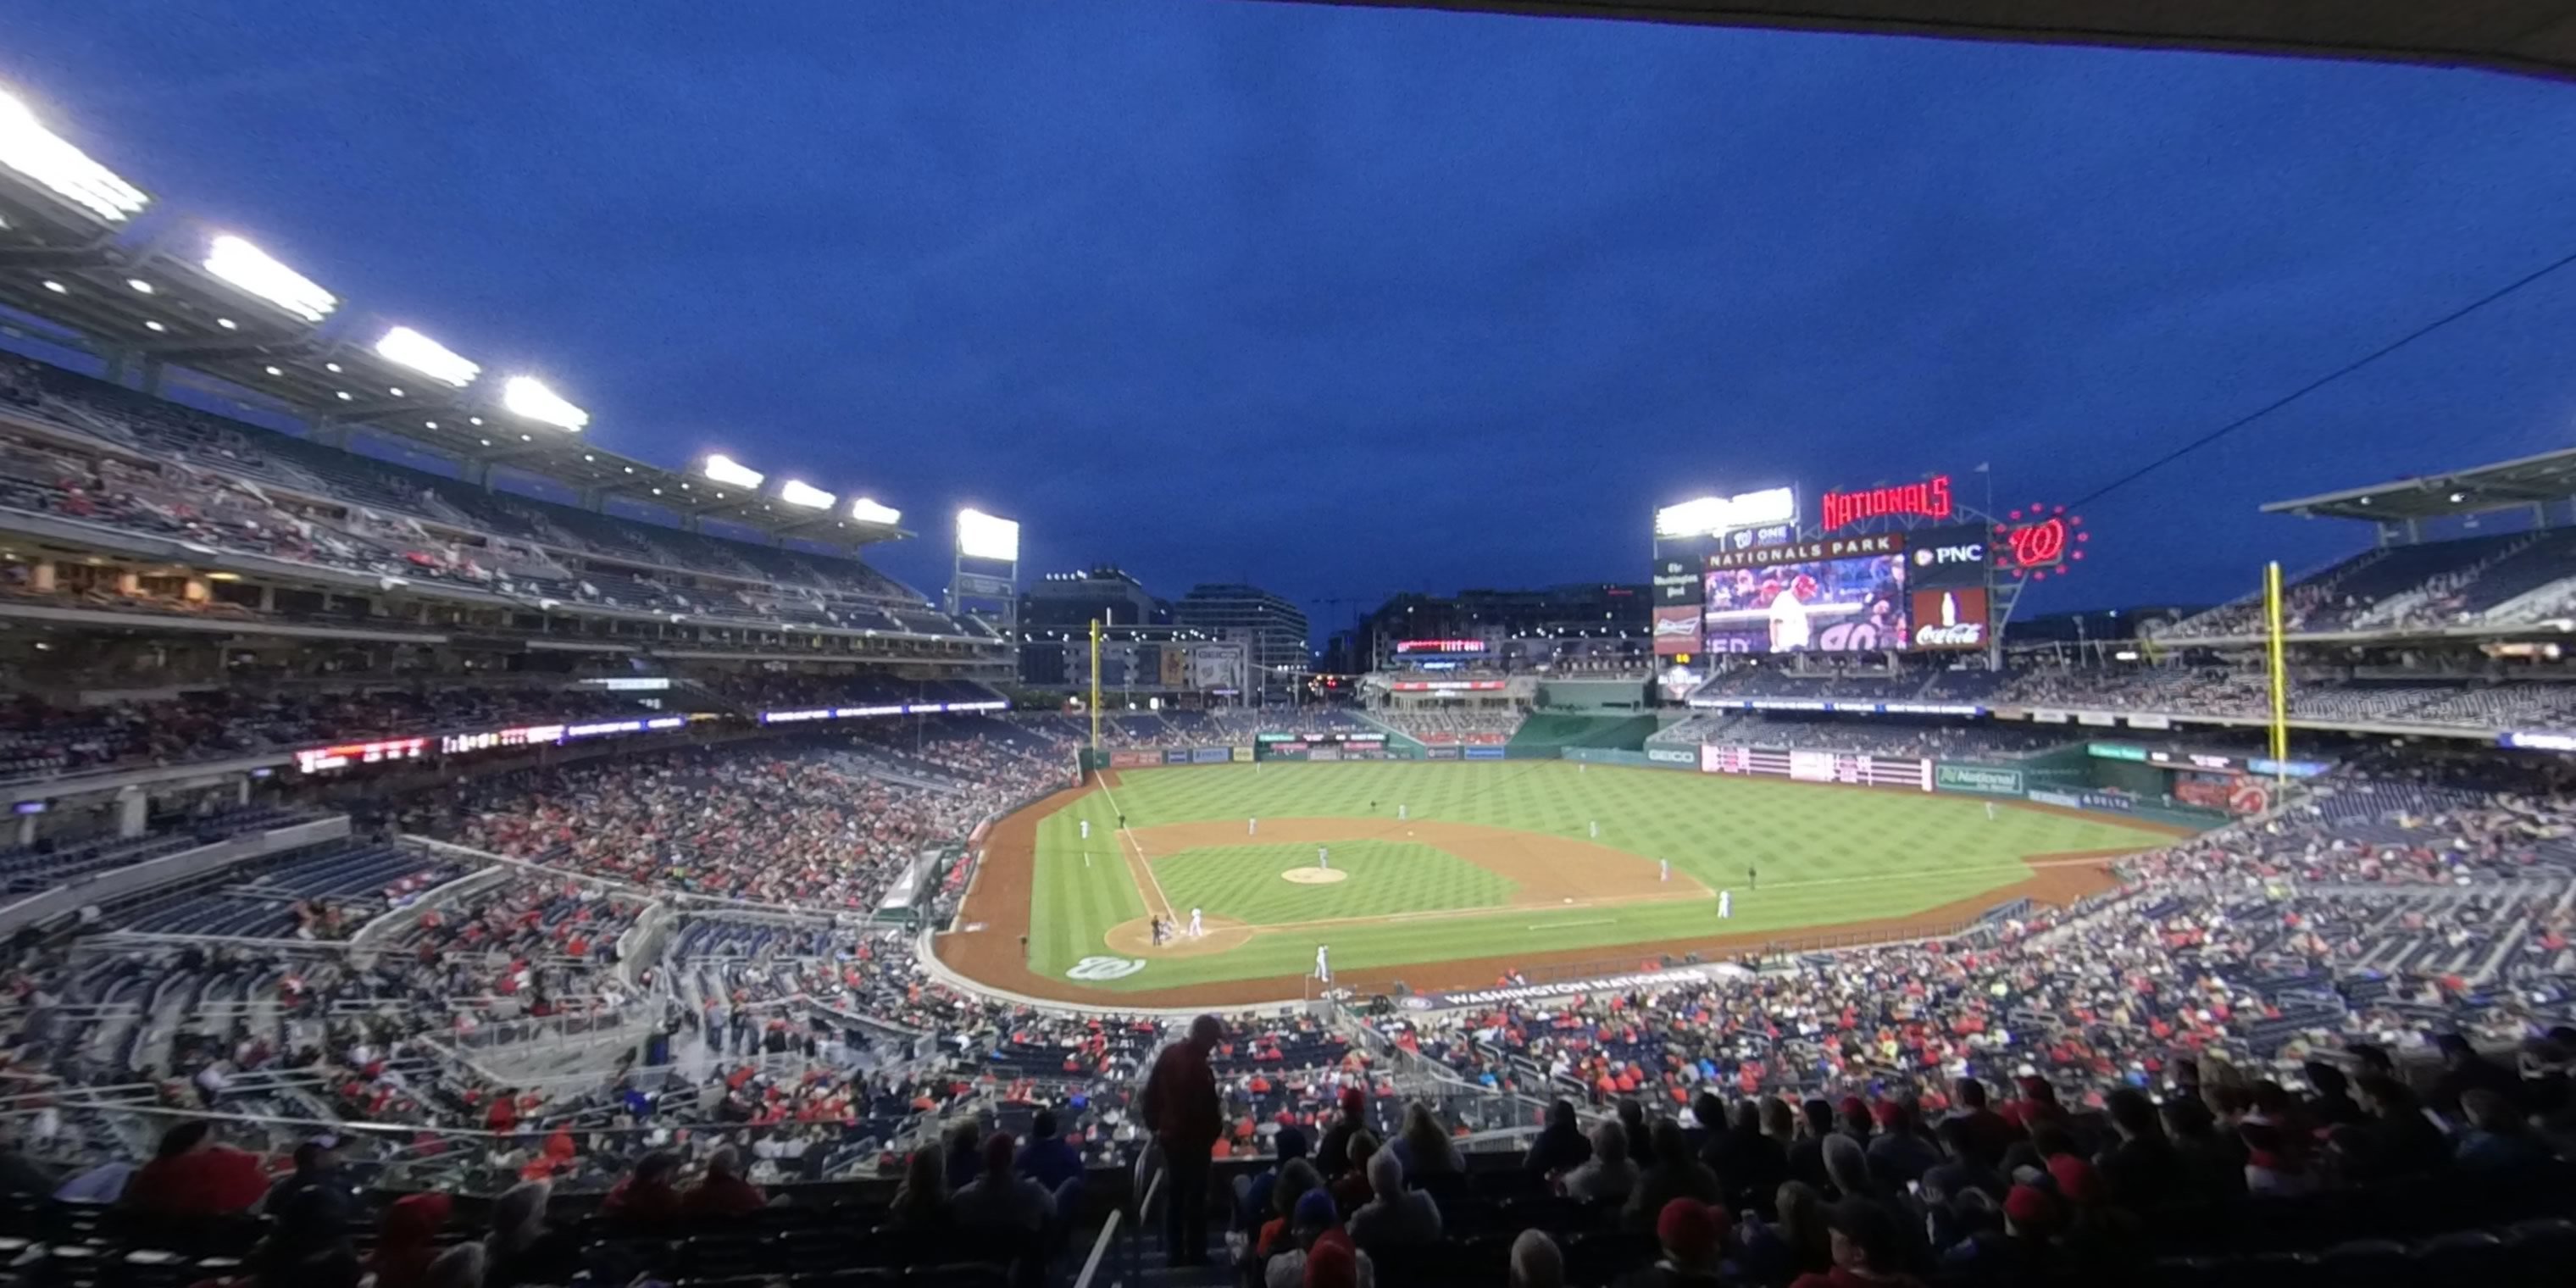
[(1929, 499)]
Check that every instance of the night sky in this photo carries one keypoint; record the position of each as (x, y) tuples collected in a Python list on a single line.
[(1343, 302)]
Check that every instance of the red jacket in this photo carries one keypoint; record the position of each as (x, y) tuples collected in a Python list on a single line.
[(1180, 1099)]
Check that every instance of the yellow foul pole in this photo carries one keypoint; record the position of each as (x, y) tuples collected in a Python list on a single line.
[(2280, 671), (1095, 684)]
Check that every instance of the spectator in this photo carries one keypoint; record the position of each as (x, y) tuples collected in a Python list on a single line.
[(1807, 1153), (1559, 1146), (1536, 1262), (309, 1211), (1298, 1179), (2400, 1141), (1797, 1244), (2215, 1162), (2332, 1105), (2464, 1070), (407, 1239), (1050, 1162), (1252, 1206), (1336, 1265), (191, 1175), (2143, 1169), (1000, 1201), (1989, 1133), (1747, 1158), (1181, 1104), (644, 1198), (1333, 1156), (1423, 1146), (2275, 1165), (723, 1192), (2498, 1136), (921, 1202), (459, 1267), (1676, 1173), (1963, 1167), (521, 1248), (1314, 1227), (1641, 1140), (1609, 1177), (1868, 1250), (1691, 1236), (1394, 1216), (1847, 1168), (1902, 1152)]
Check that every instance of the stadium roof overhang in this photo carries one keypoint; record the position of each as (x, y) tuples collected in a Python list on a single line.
[(2506, 485), (2530, 37), (142, 287)]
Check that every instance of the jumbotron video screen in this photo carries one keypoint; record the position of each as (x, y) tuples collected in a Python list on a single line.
[(1850, 603)]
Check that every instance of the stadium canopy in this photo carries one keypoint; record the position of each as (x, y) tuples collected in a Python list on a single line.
[(2507, 485), (2531, 37), (91, 263)]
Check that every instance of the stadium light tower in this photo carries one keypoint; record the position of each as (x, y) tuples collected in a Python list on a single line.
[(992, 545), (52, 163), (864, 510), (805, 496), (724, 469)]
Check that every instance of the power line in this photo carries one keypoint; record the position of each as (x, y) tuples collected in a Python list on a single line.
[(2324, 380)]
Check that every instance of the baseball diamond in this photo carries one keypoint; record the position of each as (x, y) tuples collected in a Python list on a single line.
[(1491, 867)]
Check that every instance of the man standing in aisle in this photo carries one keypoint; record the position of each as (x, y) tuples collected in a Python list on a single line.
[(1180, 1105)]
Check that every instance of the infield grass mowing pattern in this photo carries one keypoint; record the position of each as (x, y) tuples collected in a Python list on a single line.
[(1827, 855), (1243, 881)]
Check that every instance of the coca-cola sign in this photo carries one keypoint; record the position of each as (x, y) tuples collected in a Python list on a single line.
[(1950, 619)]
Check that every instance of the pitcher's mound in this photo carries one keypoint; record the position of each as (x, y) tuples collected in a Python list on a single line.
[(1136, 938), (1314, 876)]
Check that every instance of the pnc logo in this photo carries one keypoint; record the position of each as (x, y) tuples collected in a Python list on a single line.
[(1972, 553)]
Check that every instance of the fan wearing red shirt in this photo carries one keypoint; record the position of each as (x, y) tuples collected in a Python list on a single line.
[(723, 1192), (190, 1175)]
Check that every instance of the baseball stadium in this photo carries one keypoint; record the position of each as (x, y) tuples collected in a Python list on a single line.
[(482, 817)]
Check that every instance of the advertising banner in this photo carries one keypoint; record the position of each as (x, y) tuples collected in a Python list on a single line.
[(1133, 759), (1957, 618), (2150, 722), (1677, 583), (1481, 753), (1174, 667), (2098, 719), (1242, 755), (1217, 667), (1176, 755), (1977, 778), (1676, 630), (1819, 766), (1954, 557), (1440, 753), (1671, 756), (1323, 753), (2116, 802), (1211, 755)]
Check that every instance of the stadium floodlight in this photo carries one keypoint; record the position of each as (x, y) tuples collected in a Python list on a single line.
[(724, 469), (1701, 516), (250, 268), (405, 347), (982, 536), (798, 493), (864, 510), (528, 397), (44, 157)]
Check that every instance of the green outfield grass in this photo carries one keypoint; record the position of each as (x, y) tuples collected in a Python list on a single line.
[(1827, 856)]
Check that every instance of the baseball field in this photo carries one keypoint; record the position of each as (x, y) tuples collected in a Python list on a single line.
[(1444, 874)]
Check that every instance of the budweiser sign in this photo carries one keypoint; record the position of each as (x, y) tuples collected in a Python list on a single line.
[(1928, 499)]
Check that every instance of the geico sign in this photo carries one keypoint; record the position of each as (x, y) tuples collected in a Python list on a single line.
[(1950, 556), (1955, 635)]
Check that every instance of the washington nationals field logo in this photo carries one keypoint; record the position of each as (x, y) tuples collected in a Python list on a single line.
[(1104, 968)]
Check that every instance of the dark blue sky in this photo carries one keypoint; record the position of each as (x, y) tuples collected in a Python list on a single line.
[(1350, 301)]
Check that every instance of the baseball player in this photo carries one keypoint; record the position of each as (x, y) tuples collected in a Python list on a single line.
[(1252, 827), (1667, 866), (1198, 927), (1725, 904), (1324, 858), (1990, 811), (1086, 829), (1323, 965)]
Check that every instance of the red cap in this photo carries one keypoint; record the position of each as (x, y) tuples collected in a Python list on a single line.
[(2076, 1179), (1887, 1113), (1330, 1264), (1854, 1107), (1690, 1229), (2030, 1207), (1354, 1101)]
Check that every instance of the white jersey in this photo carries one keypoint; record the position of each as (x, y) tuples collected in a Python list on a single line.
[(1788, 623), (1323, 965), (1086, 829), (1725, 903), (1197, 927)]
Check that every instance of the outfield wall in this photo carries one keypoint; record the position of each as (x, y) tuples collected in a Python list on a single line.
[(2040, 784)]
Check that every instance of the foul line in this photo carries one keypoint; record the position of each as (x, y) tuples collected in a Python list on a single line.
[(1138, 866)]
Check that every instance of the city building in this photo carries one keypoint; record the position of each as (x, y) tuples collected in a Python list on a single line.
[(1275, 629)]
